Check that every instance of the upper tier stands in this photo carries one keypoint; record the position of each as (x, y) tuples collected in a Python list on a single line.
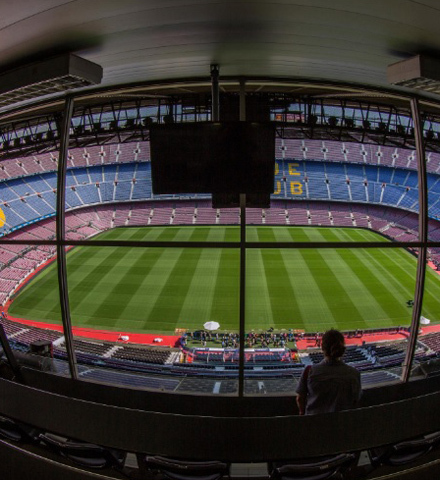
[(33, 197), (305, 169), (79, 157), (329, 151), (354, 183), (348, 152)]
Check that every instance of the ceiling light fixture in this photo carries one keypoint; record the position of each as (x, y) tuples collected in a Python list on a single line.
[(53, 75), (419, 72)]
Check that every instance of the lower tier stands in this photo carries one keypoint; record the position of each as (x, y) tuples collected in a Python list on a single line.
[(122, 363)]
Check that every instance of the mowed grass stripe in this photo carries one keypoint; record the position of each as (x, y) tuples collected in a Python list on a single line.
[(282, 234), (153, 269), (168, 304), (198, 235), (369, 236), (226, 302), (216, 234), (430, 307), (336, 290), (400, 289), (372, 296), (313, 307), (329, 294), (266, 234), (87, 275), (121, 234), (401, 261), (39, 300), (395, 292), (197, 305), (405, 270), (327, 235), (315, 235), (282, 295), (118, 289), (357, 235), (259, 312)]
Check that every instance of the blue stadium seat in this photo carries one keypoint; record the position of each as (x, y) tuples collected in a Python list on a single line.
[(107, 191), (123, 190), (110, 173), (126, 171), (88, 193), (141, 189), (95, 174), (335, 169), (385, 174), (80, 174), (371, 173), (358, 191)]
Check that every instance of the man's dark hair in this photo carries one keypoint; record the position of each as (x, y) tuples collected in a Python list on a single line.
[(333, 343)]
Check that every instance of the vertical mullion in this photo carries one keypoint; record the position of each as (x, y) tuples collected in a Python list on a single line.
[(423, 236), (60, 224), (242, 113), (242, 292)]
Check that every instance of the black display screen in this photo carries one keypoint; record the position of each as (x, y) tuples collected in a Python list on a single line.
[(232, 157)]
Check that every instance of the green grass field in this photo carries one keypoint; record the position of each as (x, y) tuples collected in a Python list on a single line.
[(155, 290)]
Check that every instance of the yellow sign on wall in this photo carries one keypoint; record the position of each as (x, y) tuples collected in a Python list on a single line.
[(2, 218)]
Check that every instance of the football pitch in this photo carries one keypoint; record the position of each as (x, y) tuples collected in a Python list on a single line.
[(156, 289)]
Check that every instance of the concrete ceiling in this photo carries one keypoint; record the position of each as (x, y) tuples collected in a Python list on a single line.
[(144, 40)]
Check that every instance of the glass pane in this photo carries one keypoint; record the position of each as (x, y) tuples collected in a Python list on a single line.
[(425, 363), (333, 183), (432, 168), (428, 344), (31, 314), (109, 184), (133, 309), (28, 179), (294, 295)]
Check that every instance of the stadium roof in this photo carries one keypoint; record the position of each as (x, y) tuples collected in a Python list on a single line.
[(150, 40)]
